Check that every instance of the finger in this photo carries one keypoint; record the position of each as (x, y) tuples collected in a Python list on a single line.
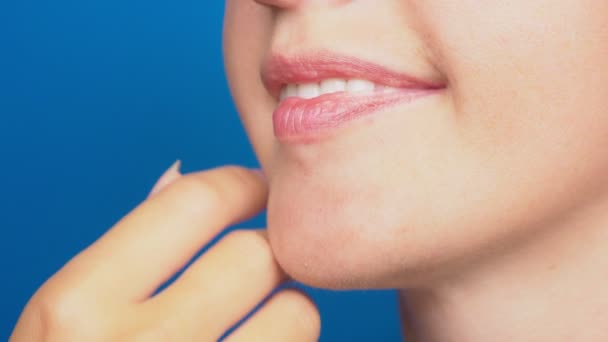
[(288, 316), (221, 287), (155, 240)]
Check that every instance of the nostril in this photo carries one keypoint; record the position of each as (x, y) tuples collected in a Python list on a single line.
[(279, 3), (289, 4)]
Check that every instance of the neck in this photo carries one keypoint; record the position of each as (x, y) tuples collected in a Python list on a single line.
[(550, 289)]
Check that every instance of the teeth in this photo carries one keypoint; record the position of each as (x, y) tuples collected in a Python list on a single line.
[(309, 90), (333, 85), (289, 91), (292, 90), (385, 89), (360, 86)]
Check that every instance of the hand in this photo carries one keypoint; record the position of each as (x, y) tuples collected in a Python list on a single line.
[(105, 292)]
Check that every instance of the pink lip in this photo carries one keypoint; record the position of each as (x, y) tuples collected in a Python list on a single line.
[(304, 120)]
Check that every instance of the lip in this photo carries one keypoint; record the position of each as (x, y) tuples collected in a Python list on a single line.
[(298, 120)]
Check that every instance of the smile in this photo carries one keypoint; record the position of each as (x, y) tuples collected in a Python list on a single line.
[(322, 92), (331, 86)]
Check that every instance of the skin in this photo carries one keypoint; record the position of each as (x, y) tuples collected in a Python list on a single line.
[(105, 292), (486, 203)]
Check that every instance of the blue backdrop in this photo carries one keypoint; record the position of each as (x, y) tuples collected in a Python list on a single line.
[(97, 98)]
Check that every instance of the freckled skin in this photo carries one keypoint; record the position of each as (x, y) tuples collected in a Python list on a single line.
[(512, 146)]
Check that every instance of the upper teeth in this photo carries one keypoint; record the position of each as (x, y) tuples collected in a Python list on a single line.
[(331, 85)]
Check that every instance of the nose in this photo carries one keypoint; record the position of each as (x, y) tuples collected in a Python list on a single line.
[(279, 3), (286, 4)]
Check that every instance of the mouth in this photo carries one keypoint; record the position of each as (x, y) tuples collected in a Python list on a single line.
[(319, 93)]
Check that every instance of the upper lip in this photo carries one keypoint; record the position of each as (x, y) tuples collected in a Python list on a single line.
[(279, 70)]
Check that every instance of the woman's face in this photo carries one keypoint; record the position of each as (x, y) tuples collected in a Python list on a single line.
[(511, 140)]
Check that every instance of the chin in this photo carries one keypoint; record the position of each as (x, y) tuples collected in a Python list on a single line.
[(355, 228), (324, 252), (343, 237)]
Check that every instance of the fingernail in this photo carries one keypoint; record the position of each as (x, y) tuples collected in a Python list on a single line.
[(167, 178)]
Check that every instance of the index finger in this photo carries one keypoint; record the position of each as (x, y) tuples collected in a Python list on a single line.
[(160, 236)]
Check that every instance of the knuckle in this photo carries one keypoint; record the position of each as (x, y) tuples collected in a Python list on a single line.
[(61, 308), (237, 177), (217, 191), (196, 193), (252, 248), (237, 173), (302, 310), (234, 177), (65, 315), (213, 188)]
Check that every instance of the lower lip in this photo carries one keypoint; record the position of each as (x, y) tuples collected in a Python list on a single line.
[(298, 120)]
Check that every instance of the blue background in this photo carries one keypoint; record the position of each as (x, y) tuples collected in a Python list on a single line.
[(97, 98)]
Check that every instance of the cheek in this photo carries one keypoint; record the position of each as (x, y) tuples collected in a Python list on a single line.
[(518, 147), (529, 84), (247, 34), (521, 140), (527, 79)]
